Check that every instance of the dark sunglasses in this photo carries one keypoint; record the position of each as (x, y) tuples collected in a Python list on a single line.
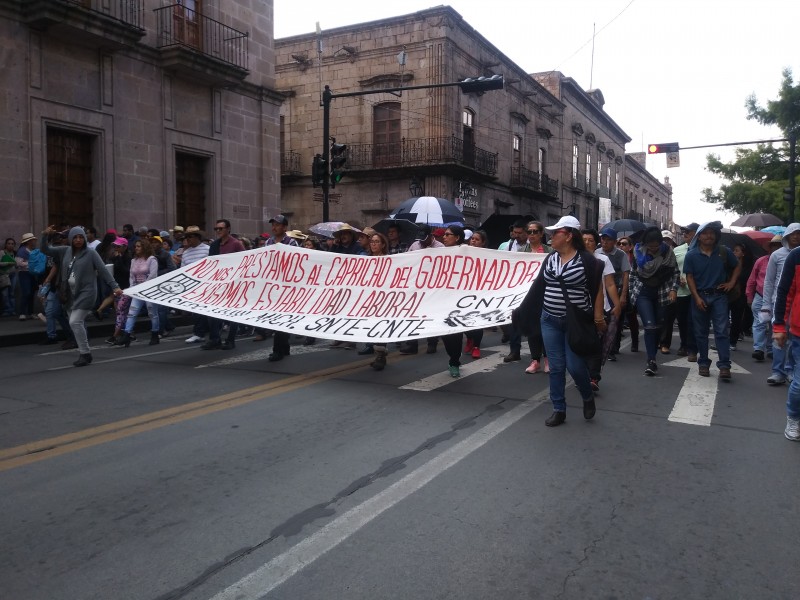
[(534, 231)]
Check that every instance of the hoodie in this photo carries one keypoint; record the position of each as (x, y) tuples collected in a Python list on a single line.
[(775, 267), (80, 271), (708, 271)]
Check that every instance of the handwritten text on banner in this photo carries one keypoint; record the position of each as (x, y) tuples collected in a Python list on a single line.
[(420, 294)]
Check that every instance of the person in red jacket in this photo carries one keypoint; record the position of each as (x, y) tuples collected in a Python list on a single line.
[(787, 301)]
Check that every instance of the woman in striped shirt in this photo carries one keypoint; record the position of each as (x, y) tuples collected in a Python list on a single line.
[(580, 273)]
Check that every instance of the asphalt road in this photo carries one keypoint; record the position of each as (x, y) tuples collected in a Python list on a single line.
[(170, 472)]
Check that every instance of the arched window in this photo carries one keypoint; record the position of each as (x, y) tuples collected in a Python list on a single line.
[(386, 138)]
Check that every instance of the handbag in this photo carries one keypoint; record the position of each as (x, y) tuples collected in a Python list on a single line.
[(581, 330)]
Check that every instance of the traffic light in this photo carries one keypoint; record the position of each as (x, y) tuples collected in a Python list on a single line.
[(481, 84), (319, 170), (662, 148), (338, 160), (788, 195)]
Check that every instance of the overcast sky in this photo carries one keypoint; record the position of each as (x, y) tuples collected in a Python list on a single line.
[(670, 70)]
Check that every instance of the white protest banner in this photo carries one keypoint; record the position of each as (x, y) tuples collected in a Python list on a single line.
[(407, 296)]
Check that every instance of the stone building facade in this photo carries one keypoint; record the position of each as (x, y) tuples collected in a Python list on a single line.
[(489, 151), (542, 146), (146, 112)]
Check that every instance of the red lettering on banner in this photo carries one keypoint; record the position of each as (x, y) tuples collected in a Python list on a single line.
[(401, 278), (313, 277), (246, 263), (202, 268)]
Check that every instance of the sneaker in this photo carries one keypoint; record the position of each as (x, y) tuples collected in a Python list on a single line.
[(776, 379), (512, 357), (652, 368), (533, 368), (664, 350), (22, 317), (758, 355), (195, 339), (792, 431), (595, 385), (469, 346), (476, 353), (546, 365), (733, 347), (454, 372), (612, 357), (41, 317)]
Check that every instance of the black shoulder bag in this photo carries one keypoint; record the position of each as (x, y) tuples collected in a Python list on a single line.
[(581, 331)]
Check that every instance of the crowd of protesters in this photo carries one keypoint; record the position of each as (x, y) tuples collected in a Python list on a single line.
[(617, 281)]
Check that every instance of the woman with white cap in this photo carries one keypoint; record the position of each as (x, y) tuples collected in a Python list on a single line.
[(569, 275), (79, 268)]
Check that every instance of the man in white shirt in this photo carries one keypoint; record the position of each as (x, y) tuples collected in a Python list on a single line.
[(196, 250)]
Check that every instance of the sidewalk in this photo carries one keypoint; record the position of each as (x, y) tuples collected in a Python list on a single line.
[(14, 332)]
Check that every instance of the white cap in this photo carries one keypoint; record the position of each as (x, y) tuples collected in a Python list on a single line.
[(570, 222), (667, 235), (467, 234)]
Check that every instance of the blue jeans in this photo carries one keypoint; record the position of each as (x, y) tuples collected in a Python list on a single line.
[(563, 359), (793, 399), (133, 312), (762, 340), (716, 315), (56, 316), (652, 315), (783, 361)]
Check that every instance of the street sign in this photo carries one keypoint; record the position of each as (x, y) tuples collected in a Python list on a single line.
[(673, 159)]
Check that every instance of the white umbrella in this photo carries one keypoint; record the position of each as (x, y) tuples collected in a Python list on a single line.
[(428, 210)]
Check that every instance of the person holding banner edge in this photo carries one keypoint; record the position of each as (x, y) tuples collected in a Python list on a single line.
[(453, 236)]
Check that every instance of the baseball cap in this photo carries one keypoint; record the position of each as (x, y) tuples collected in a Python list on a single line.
[(280, 219), (690, 227), (608, 232), (120, 241), (567, 221)]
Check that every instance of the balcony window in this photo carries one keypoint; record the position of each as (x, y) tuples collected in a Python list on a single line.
[(386, 134)]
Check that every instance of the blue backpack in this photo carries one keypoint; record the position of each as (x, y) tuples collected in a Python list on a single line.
[(37, 262)]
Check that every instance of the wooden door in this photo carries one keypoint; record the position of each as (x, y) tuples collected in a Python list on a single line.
[(69, 178), (190, 190)]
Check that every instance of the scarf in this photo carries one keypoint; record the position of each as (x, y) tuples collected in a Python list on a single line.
[(648, 265)]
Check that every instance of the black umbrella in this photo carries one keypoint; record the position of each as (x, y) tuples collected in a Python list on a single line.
[(408, 230), (626, 226), (731, 239), (428, 210), (757, 220)]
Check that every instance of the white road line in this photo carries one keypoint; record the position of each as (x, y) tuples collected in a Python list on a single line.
[(127, 357), (274, 573), (695, 402), (261, 355), (486, 364)]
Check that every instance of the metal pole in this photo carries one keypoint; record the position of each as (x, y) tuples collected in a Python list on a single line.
[(326, 151), (792, 157)]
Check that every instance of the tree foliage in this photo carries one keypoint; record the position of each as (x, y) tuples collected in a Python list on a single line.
[(754, 181)]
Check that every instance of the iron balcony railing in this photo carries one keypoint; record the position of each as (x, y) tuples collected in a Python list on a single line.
[(420, 152), (532, 180), (182, 26), (127, 12), (290, 163)]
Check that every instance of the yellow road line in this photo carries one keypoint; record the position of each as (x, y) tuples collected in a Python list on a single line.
[(32, 452)]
